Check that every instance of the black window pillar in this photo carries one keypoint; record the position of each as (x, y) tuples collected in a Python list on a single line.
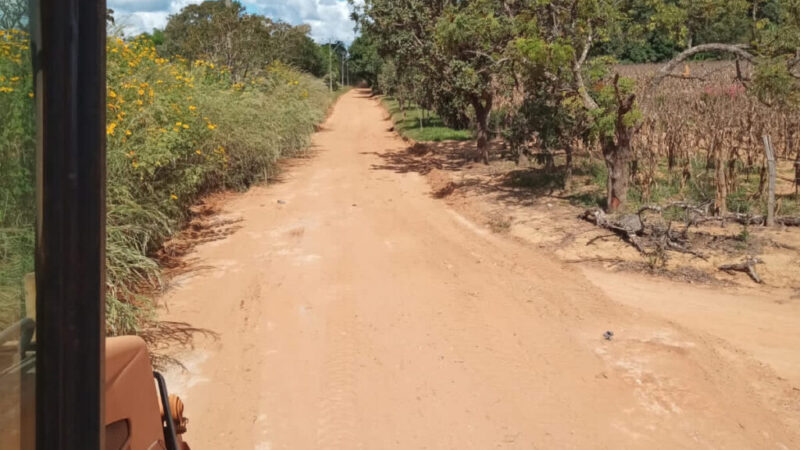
[(69, 41)]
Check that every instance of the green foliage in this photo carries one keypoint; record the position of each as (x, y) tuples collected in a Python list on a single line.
[(409, 123), (774, 84), (446, 51), (243, 42), (365, 62)]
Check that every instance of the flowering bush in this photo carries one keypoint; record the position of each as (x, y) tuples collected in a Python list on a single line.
[(175, 130)]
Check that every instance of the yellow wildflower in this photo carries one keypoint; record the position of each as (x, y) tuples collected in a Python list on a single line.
[(192, 108), (173, 196), (128, 132), (212, 127), (112, 94), (186, 126), (110, 129), (199, 152)]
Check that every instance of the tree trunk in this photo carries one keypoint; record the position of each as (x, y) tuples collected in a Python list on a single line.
[(482, 110), (617, 152), (617, 158), (568, 169)]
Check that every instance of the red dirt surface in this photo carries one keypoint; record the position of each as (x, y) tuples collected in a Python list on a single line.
[(357, 311)]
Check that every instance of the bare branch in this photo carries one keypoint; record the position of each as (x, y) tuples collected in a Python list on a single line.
[(577, 72), (737, 50), (747, 266)]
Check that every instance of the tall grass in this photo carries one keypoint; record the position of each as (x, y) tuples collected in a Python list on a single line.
[(16, 173), (176, 130)]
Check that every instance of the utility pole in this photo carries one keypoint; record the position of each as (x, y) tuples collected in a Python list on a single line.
[(330, 68), (342, 74)]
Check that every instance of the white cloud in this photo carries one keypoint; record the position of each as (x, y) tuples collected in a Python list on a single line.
[(329, 19)]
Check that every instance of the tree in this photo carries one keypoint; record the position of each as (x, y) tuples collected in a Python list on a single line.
[(552, 62), (365, 62), (156, 37), (570, 30), (292, 45), (14, 14), (452, 48), (223, 34), (473, 36)]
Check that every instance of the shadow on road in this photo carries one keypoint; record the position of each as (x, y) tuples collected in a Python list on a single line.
[(450, 169)]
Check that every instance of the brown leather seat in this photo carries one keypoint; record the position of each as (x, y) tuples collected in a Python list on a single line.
[(132, 406)]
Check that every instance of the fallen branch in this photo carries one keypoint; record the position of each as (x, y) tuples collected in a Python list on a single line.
[(674, 246), (600, 238), (595, 260), (628, 227), (788, 221), (747, 266)]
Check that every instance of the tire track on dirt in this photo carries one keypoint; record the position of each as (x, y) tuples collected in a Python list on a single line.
[(374, 318)]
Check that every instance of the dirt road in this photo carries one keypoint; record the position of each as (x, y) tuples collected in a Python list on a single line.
[(355, 311)]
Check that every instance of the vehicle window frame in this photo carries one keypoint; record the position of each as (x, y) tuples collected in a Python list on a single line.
[(68, 51)]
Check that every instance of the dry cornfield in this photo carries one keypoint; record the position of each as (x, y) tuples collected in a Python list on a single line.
[(703, 134)]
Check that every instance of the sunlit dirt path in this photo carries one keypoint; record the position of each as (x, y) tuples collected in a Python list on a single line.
[(355, 311)]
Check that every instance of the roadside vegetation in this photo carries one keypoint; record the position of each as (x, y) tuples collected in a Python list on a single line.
[(182, 122), (560, 87), (548, 79), (421, 125)]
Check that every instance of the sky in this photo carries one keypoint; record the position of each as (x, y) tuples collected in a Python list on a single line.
[(329, 19)]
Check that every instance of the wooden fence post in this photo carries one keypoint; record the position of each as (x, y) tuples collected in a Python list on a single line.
[(771, 166)]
